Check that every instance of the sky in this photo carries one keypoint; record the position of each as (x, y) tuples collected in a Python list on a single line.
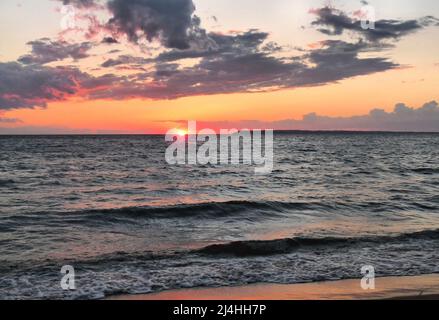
[(146, 66)]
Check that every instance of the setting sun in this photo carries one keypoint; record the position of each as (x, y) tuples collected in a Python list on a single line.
[(182, 132)]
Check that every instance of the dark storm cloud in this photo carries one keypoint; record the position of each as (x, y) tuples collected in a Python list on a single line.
[(46, 50), (171, 21), (168, 20), (335, 22)]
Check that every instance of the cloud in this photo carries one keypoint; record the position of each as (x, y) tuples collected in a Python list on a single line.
[(33, 86), (335, 22), (9, 120), (338, 60), (221, 44), (45, 51), (242, 63), (220, 63), (54, 130), (239, 63), (403, 118), (125, 60), (80, 3), (109, 40), (29, 86), (171, 21), (41, 130)]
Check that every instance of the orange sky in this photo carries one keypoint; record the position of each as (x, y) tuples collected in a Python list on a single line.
[(414, 83), (349, 97)]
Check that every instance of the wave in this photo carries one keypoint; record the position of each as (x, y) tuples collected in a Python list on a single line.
[(427, 171), (6, 182), (287, 245), (248, 209), (237, 249), (207, 209)]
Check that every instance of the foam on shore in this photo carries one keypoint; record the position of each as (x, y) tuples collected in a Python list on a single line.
[(416, 287)]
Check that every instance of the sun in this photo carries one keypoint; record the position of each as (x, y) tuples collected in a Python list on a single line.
[(181, 132)]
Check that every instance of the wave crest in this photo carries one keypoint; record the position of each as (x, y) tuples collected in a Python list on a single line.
[(287, 245)]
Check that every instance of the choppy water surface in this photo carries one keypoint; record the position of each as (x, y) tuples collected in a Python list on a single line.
[(130, 223)]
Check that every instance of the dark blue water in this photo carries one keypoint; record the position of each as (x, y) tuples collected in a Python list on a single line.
[(130, 223)]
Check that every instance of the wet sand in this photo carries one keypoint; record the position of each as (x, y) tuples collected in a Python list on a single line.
[(416, 287)]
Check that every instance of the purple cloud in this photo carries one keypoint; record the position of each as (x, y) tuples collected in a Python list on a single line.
[(45, 51), (335, 22), (403, 118), (29, 86)]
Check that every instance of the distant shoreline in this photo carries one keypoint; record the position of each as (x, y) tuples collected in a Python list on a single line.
[(405, 287), (162, 134)]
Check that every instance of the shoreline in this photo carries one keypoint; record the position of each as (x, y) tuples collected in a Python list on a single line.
[(424, 287)]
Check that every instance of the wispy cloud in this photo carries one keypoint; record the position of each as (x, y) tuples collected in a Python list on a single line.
[(54, 130), (9, 120), (45, 51), (335, 22)]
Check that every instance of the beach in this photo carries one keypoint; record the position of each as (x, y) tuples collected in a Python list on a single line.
[(424, 287)]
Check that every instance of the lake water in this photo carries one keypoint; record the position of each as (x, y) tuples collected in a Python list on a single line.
[(128, 222)]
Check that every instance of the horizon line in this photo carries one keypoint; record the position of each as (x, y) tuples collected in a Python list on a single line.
[(163, 134)]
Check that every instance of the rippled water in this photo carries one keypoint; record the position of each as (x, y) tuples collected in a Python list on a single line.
[(130, 223)]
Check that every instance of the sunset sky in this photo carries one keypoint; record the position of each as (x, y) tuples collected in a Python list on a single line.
[(145, 66)]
